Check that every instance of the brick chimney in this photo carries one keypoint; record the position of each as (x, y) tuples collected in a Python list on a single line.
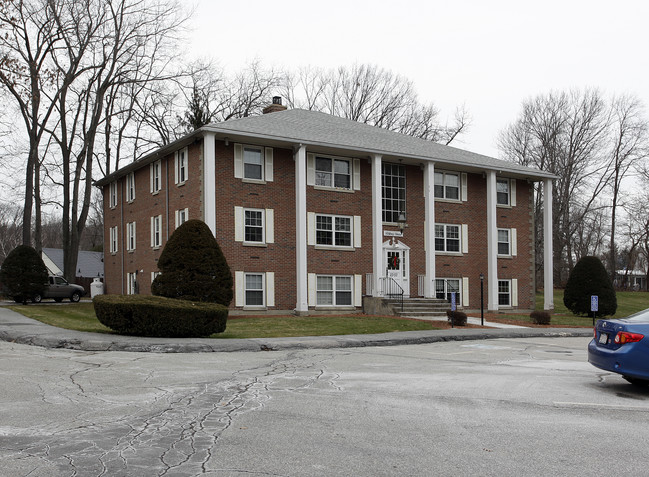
[(276, 106)]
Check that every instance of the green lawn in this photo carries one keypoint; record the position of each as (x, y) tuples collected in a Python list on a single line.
[(627, 304), (81, 317)]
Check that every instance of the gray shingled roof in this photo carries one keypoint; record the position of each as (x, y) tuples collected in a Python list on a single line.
[(89, 264), (330, 133), (320, 129)]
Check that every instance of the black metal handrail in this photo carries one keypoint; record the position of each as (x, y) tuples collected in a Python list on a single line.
[(392, 289)]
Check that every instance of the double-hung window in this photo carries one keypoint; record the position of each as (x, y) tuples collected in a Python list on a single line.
[(445, 286), (503, 192), (447, 185), (112, 195), (182, 216), (394, 191), (156, 231), (447, 238), (156, 177), (333, 172), (504, 242), (254, 289), (504, 292), (130, 236), (114, 240), (130, 187), (181, 166), (253, 163), (334, 290), (254, 225), (333, 230)]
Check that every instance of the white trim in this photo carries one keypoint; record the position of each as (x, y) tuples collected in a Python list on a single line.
[(270, 289), (238, 224), (429, 230), (377, 225), (548, 278), (269, 226), (492, 243), (130, 187), (238, 161), (131, 234), (356, 175), (268, 164), (239, 289), (209, 181), (512, 192), (177, 169), (464, 185), (358, 289), (310, 169), (311, 279), (356, 230), (465, 238), (465, 291), (310, 228), (156, 173), (112, 195), (514, 292), (301, 231), (513, 242)]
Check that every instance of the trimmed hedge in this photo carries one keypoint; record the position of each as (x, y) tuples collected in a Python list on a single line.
[(457, 318), (23, 274), (540, 317), (143, 315), (193, 267)]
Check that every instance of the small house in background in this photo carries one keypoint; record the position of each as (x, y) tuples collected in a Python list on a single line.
[(90, 265), (635, 280)]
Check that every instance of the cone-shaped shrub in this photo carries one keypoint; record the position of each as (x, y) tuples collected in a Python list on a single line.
[(588, 278), (193, 267), (23, 274)]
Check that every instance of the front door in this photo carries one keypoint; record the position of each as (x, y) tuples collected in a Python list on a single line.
[(396, 259)]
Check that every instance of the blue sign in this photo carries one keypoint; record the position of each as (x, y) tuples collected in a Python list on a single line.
[(594, 303), (453, 306)]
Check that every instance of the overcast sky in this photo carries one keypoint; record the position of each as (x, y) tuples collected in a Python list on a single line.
[(488, 55)]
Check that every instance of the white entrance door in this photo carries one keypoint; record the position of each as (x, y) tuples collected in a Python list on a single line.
[(397, 265)]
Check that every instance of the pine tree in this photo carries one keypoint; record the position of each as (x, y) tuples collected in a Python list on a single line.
[(589, 278)]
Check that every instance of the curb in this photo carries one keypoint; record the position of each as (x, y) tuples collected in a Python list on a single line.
[(16, 328)]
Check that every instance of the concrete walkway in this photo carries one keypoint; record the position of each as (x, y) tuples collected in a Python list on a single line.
[(17, 328), (471, 321)]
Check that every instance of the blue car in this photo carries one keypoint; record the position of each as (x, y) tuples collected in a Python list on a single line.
[(622, 346)]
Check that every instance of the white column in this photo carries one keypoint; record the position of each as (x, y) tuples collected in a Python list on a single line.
[(302, 305), (377, 224), (492, 243), (548, 267), (209, 181), (429, 194)]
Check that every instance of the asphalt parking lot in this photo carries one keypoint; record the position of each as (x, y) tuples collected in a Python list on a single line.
[(526, 406)]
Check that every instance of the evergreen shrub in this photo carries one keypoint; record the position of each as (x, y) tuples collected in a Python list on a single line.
[(193, 267), (589, 277), (23, 274), (540, 317), (155, 316), (458, 317)]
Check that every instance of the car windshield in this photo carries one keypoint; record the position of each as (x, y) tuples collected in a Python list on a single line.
[(640, 317)]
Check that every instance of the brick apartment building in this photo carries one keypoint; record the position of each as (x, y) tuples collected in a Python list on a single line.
[(313, 212)]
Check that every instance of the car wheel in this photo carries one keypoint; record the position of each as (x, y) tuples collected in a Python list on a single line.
[(637, 381), (37, 298), (58, 300), (75, 297)]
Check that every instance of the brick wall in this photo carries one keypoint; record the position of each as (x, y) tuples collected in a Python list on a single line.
[(280, 257)]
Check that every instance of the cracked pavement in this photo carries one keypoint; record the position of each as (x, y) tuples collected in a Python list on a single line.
[(490, 407)]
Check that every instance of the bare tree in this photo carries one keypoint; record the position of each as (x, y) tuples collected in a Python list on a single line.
[(371, 95), (563, 133), (629, 148), (10, 228), (28, 34)]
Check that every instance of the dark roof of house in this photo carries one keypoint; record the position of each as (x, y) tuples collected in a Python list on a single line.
[(89, 264), (326, 133)]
